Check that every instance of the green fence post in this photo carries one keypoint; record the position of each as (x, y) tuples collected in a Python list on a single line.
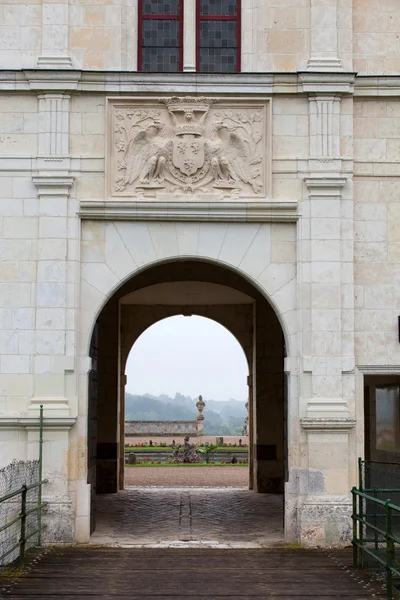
[(355, 540), (22, 539), (389, 552), (360, 511), (360, 477), (39, 538), (361, 531), (375, 522)]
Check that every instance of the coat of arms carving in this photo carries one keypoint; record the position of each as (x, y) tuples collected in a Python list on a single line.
[(188, 145)]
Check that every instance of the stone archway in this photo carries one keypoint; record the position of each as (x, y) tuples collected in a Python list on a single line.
[(202, 288), (144, 308)]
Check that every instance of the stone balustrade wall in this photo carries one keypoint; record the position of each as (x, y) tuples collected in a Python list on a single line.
[(176, 428)]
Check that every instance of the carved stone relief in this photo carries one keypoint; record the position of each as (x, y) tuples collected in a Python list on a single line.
[(188, 145)]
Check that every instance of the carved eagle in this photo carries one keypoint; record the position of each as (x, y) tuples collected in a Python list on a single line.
[(146, 156), (230, 157)]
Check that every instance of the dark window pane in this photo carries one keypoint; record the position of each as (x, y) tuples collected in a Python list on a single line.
[(160, 60), (218, 34), (160, 33), (160, 7), (388, 418), (218, 60), (226, 8)]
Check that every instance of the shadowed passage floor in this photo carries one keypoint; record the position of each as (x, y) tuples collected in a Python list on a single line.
[(170, 517)]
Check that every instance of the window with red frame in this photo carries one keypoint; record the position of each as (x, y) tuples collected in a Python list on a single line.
[(218, 36), (160, 36)]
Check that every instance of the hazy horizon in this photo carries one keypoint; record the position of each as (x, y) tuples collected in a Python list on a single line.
[(189, 356)]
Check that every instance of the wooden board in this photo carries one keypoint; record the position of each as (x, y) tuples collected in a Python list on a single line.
[(193, 574)]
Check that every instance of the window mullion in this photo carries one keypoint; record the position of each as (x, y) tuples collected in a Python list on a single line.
[(189, 35)]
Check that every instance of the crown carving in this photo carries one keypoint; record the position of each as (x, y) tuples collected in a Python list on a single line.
[(188, 113)]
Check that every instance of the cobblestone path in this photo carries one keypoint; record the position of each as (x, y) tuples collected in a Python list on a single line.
[(189, 574), (189, 517)]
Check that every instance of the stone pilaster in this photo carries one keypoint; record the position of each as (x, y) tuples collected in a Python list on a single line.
[(55, 36), (326, 275), (324, 36), (55, 297), (324, 127), (57, 281), (326, 291), (53, 145), (321, 296)]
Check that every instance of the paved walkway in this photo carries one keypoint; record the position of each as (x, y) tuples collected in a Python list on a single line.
[(189, 517), (198, 574), (187, 476)]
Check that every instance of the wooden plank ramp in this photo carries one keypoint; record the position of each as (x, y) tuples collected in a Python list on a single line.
[(188, 573)]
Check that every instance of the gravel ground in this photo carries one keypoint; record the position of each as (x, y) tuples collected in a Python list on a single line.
[(187, 476)]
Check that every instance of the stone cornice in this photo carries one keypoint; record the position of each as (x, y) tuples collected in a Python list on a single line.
[(236, 211), (379, 369), (188, 83), (377, 85), (327, 423), (310, 82)]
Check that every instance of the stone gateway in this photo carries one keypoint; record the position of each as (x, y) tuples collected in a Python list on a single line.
[(236, 160)]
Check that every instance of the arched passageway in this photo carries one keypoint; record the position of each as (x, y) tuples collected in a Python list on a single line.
[(205, 289)]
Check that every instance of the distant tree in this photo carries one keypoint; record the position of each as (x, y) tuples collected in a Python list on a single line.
[(221, 418)]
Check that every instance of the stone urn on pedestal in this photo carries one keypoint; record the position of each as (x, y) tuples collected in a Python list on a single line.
[(200, 417)]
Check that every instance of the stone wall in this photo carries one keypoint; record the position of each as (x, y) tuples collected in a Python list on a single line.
[(275, 37), (157, 428)]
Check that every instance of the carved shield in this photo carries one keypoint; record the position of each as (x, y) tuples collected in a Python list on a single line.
[(188, 154)]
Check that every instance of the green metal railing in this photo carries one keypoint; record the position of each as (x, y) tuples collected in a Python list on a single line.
[(24, 537), (375, 527), (24, 512)]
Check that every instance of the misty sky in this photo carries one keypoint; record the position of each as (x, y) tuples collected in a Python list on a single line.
[(190, 355)]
